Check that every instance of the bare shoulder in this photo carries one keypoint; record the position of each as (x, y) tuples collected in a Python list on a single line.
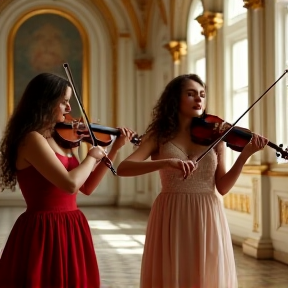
[(34, 145), (150, 141), (147, 148), (31, 137)]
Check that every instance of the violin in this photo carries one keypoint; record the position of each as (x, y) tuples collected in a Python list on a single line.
[(94, 139), (205, 130), (71, 132), (211, 126)]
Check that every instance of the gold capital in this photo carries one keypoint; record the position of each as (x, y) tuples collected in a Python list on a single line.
[(253, 4), (143, 64), (176, 49), (210, 23)]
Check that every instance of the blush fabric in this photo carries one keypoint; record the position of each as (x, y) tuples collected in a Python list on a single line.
[(188, 242)]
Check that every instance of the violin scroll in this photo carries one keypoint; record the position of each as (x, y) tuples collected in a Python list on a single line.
[(282, 155)]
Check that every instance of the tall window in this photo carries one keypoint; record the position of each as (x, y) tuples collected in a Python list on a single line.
[(281, 89), (196, 42), (240, 82), (236, 67)]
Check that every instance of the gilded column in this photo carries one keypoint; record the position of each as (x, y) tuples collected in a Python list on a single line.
[(259, 243), (253, 4), (178, 51), (210, 22)]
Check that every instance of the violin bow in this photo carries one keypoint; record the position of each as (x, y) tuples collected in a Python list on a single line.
[(233, 125), (105, 159)]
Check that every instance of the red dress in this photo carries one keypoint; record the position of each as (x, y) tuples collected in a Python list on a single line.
[(50, 245)]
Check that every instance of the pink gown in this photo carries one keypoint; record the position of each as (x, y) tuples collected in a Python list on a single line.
[(50, 245), (188, 242)]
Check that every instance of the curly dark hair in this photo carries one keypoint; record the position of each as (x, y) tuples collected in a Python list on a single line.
[(34, 112), (165, 120)]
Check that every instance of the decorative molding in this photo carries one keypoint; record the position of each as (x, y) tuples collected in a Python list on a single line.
[(237, 202), (257, 249), (255, 193), (144, 64), (210, 22), (253, 4), (172, 17), (162, 11), (4, 3), (141, 27), (124, 35), (176, 49), (255, 169), (283, 212), (276, 173)]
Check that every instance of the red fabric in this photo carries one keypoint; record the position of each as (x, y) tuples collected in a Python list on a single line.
[(50, 245)]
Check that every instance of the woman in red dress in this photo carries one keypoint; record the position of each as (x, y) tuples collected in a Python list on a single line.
[(50, 244)]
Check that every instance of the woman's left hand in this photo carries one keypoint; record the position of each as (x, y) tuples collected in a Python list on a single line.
[(256, 143), (125, 136)]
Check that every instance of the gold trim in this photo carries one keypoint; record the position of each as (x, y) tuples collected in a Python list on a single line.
[(124, 35), (162, 11), (176, 49), (283, 212), (255, 193), (237, 202), (253, 4), (255, 169), (276, 173), (133, 17), (144, 64), (210, 23), (172, 20), (11, 38)]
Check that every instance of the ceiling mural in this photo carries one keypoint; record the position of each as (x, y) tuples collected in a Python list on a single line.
[(140, 13)]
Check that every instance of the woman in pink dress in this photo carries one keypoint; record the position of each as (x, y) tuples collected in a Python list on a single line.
[(50, 244), (188, 243)]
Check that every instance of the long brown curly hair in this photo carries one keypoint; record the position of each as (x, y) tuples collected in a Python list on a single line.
[(34, 112), (165, 121)]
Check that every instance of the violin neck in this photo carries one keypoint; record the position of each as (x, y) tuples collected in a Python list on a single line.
[(274, 146), (105, 130)]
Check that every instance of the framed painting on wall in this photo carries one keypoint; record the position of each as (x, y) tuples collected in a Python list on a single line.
[(42, 41)]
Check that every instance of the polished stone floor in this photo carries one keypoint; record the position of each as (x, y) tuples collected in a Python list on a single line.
[(118, 235)]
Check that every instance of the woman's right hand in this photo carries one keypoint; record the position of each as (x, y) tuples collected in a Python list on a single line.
[(97, 152), (187, 167)]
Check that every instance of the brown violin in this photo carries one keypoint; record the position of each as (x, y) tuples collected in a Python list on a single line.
[(205, 130), (93, 137), (71, 132), (210, 130)]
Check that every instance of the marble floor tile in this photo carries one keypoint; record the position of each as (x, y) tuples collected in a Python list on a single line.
[(118, 237)]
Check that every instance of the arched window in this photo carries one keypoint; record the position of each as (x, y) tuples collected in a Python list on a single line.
[(196, 42), (281, 89), (236, 66)]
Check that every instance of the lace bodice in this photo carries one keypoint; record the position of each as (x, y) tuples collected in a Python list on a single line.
[(201, 181)]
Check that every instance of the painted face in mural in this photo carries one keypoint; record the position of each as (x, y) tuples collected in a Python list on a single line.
[(46, 48)]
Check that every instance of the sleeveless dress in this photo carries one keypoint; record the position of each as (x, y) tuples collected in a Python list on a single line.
[(50, 245), (188, 242)]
